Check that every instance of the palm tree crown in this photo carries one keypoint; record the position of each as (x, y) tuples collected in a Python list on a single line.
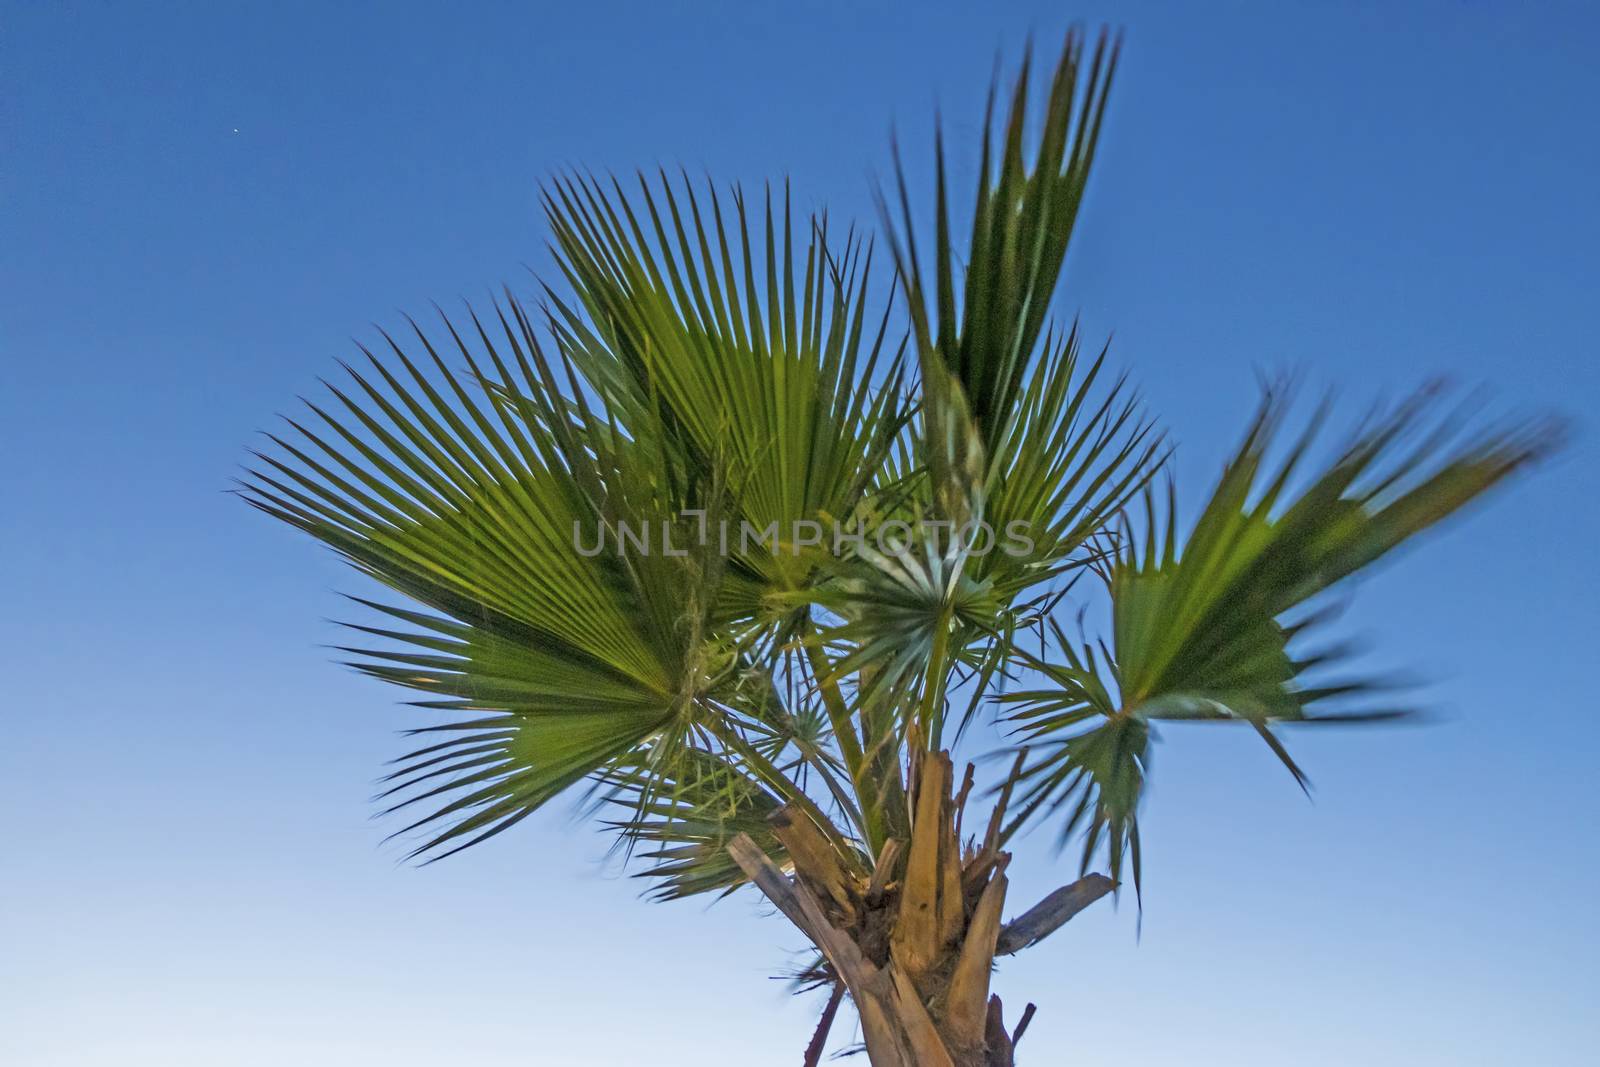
[(705, 531)]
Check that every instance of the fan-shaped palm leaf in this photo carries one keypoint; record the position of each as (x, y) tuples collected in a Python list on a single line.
[(1210, 631)]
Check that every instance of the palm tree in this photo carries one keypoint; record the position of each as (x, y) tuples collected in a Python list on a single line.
[(743, 543)]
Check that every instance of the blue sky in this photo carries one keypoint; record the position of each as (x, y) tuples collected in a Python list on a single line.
[(204, 203)]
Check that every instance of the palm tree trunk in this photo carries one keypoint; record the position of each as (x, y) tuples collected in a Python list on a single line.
[(914, 940)]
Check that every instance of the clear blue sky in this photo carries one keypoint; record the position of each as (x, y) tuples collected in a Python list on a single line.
[(202, 204)]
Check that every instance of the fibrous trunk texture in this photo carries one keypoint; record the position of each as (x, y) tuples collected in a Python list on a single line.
[(914, 939)]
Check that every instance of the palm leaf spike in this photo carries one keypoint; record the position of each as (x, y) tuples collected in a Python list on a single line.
[(1021, 227)]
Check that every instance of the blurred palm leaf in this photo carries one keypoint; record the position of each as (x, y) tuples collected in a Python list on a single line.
[(1207, 632)]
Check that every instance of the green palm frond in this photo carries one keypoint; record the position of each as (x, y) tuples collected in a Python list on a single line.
[(758, 352), (471, 491), (1021, 225), (1052, 460), (1211, 631), (777, 371), (682, 824), (1071, 457), (1016, 439), (465, 494)]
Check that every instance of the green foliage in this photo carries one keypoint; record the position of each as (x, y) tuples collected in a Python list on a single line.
[(710, 361), (1205, 632)]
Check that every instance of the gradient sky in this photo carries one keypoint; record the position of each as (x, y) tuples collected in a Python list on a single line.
[(204, 203)]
